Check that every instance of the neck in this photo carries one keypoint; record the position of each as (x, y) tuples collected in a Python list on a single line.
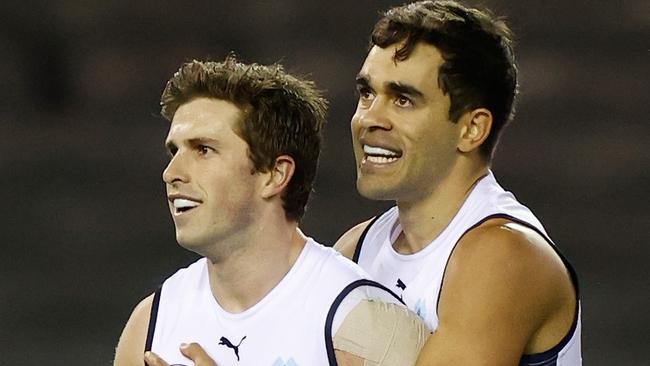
[(422, 219), (245, 276)]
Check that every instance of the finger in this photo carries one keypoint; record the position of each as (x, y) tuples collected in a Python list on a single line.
[(197, 354), (153, 359)]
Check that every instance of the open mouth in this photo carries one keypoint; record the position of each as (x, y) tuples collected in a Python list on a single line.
[(380, 155), (183, 205)]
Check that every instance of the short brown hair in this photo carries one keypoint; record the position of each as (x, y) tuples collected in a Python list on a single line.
[(283, 114), (479, 67)]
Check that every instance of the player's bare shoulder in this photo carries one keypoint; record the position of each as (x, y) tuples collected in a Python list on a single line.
[(130, 349), (516, 274), (347, 243), (507, 248)]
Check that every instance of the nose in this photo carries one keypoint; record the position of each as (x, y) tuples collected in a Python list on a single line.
[(176, 170), (373, 117)]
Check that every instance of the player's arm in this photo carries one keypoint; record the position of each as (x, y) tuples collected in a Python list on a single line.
[(381, 334), (130, 348), (501, 285), (347, 243)]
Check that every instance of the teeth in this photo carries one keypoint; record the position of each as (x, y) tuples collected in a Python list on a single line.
[(183, 203), (374, 150), (380, 159)]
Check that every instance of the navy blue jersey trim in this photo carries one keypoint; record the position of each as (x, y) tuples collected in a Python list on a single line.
[(357, 250), (329, 344), (547, 357), (152, 320)]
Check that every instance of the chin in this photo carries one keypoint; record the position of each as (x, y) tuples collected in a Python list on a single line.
[(189, 243), (375, 192)]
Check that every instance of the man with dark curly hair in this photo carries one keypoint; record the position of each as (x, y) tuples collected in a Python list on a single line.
[(435, 92)]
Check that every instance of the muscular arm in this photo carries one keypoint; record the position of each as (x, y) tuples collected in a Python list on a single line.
[(130, 349), (347, 243), (505, 293)]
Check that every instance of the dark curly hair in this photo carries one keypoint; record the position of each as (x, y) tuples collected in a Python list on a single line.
[(479, 67)]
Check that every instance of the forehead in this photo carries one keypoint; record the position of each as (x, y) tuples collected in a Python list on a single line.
[(203, 115), (420, 69)]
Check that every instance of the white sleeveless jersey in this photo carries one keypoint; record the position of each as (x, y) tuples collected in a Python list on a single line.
[(418, 277), (291, 326)]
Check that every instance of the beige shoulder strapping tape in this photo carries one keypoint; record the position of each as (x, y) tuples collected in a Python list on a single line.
[(382, 334)]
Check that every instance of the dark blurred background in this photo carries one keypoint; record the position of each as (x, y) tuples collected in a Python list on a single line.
[(85, 229)]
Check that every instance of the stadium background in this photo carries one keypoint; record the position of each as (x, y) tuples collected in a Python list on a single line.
[(85, 229)]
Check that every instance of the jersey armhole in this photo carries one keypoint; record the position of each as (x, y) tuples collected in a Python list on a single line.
[(152, 319), (329, 321), (357, 250)]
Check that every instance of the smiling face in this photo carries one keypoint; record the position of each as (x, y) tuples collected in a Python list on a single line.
[(404, 142), (213, 196)]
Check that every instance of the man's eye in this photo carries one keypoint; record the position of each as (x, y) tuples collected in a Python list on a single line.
[(203, 150), (365, 94), (403, 101)]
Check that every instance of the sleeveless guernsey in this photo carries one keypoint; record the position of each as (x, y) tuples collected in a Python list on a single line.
[(418, 277), (291, 326)]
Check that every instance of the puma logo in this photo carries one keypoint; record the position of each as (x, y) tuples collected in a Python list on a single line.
[(226, 342), (401, 284)]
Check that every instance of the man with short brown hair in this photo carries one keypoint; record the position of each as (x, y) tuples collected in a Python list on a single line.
[(244, 142)]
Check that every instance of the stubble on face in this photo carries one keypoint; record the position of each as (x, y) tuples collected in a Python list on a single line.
[(419, 127), (211, 165)]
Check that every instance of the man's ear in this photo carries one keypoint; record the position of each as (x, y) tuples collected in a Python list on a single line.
[(279, 176), (476, 127)]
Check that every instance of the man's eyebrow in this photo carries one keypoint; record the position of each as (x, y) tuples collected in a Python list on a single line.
[(202, 140), (397, 87), (362, 81), (170, 146), (394, 87)]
